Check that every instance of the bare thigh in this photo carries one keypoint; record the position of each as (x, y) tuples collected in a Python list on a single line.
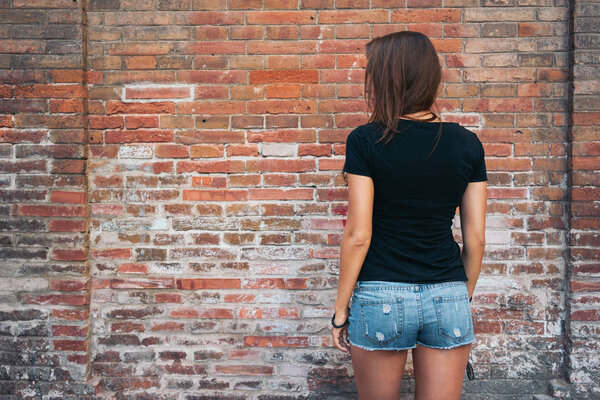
[(439, 373), (378, 373)]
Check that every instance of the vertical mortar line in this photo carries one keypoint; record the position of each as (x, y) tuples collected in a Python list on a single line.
[(567, 333), (86, 151)]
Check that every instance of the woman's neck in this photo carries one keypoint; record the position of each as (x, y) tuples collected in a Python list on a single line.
[(420, 115)]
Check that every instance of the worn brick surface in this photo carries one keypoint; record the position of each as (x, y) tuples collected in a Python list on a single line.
[(172, 203), (584, 212), (44, 285)]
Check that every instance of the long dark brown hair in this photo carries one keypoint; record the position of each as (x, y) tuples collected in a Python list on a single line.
[(402, 76)]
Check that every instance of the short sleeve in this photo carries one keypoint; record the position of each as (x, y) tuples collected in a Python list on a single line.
[(356, 161), (479, 170)]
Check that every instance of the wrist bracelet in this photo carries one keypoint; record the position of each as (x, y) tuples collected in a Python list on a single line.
[(346, 322)]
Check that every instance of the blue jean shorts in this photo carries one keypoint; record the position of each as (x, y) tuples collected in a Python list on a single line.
[(398, 315)]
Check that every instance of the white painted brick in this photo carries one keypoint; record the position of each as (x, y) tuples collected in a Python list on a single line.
[(495, 236), (135, 151), (23, 284), (278, 149)]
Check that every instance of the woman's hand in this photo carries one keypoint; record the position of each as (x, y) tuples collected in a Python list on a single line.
[(340, 335)]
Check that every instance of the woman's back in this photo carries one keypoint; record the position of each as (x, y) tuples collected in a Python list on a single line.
[(417, 191), (399, 263)]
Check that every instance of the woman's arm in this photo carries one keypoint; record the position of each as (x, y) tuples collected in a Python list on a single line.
[(472, 223), (355, 240)]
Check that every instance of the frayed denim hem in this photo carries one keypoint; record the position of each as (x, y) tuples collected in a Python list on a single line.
[(442, 347), (384, 349)]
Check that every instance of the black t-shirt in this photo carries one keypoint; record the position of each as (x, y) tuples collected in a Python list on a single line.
[(415, 198)]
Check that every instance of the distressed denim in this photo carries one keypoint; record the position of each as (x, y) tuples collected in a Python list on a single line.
[(398, 315)]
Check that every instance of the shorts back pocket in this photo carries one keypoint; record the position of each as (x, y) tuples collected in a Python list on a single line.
[(382, 319), (454, 316)]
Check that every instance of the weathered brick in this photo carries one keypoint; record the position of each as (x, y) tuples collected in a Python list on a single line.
[(205, 139)]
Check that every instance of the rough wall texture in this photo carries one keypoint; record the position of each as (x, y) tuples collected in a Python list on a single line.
[(44, 290), (583, 202), (172, 204)]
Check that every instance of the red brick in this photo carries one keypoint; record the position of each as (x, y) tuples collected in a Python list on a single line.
[(279, 32), (215, 195), (212, 76), (248, 92), (49, 91), (245, 32), (59, 196), (139, 136), (276, 341), (208, 181), (282, 107), (213, 47), (158, 93), (207, 151), (146, 283), (281, 165), (68, 255), (51, 210), (342, 46), (354, 16), (146, 121), (427, 15), (172, 151), (133, 268), (211, 166), (216, 18), (67, 225), (138, 48), (536, 29), (331, 164), (211, 92), (212, 107), (17, 136), (140, 62), (280, 194), (214, 136), (117, 107), (208, 33), (66, 106), (70, 345), (283, 91), (287, 76), (66, 76), (22, 46), (281, 17), (208, 283), (281, 47)]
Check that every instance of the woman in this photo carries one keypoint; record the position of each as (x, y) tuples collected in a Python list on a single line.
[(407, 172)]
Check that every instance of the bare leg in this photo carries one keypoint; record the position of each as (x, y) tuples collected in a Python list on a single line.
[(439, 373), (378, 373)]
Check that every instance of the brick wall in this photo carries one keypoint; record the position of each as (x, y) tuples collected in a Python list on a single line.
[(44, 291), (173, 204), (583, 329)]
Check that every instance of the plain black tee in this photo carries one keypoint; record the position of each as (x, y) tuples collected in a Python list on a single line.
[(415, 198)]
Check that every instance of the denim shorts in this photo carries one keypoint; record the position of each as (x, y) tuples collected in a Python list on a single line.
[(398, 315)]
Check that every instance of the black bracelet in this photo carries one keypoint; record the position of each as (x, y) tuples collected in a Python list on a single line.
[(346, 322), (470, 373), (470, 298)]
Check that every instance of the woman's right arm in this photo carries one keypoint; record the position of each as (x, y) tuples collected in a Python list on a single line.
[(472, 223)]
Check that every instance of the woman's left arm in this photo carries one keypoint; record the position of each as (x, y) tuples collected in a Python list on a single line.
[(355, 240)]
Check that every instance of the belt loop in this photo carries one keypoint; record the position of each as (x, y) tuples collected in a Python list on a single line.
[(357, 285)]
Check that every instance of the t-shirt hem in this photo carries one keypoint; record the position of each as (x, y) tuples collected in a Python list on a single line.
[(415, 281)]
